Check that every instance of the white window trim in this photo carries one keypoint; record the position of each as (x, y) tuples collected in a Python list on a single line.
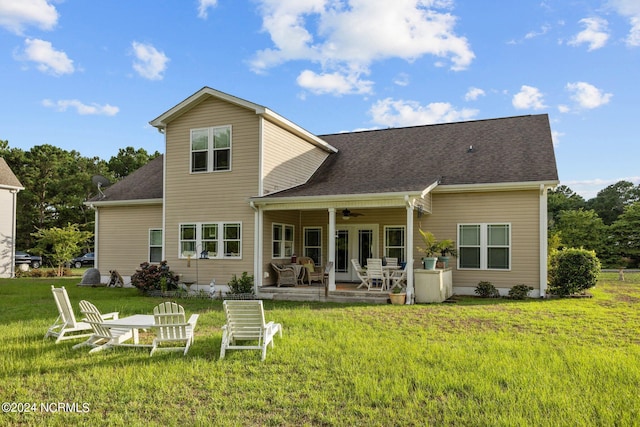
[(304, 241), (484, 246), (404, 237), (210, 149), (283, 241), (149, 246), (220, 239)]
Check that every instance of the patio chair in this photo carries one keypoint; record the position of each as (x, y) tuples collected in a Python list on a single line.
[(102, 337), (312, 273), (375, 275), (66, 327), (392, 262), (398, 278), (246, 328), (172, 327), (286, 276), (361, 272)]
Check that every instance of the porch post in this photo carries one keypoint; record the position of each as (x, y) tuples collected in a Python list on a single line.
[(258, 252), (409, 253), (331, 256)]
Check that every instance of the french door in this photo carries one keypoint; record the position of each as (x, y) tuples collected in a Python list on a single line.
[(354, 241)]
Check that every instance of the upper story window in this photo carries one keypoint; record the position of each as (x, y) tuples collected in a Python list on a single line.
[(484, 246), (211, 149)]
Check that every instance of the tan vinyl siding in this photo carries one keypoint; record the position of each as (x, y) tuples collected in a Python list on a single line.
[(520, 209), (6, 231), (287, 159), (123, 232), (211, 197)]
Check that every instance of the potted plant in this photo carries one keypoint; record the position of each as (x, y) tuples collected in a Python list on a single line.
[(447, 249), (398, 296), (430, 249)]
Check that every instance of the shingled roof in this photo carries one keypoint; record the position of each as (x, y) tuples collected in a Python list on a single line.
[(7, 177), (144, 184), (505, 150)]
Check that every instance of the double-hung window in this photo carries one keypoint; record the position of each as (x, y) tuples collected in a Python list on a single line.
[(155, 245), (484, 246), (312, 245), (213, 240), (282, 240), (211, 149), (394, 243)]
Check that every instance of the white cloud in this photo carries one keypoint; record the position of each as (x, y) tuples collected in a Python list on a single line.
[(150, 63), (555, 137), (82, 109), (15, 15), (401, 79), (533, 34), (595, 33), (203, 5), (587, 95), (528, 98), (398, 113), (589, 188), (564, 108), (473, 93), (333, 83), (630, 9), (49, 60), (352, 34)]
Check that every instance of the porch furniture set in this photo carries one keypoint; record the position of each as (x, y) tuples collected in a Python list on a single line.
[(303, 270), (377, 276), (245, 325)]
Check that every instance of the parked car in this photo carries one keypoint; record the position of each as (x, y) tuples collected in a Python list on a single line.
[(84, 260), (34, 261)]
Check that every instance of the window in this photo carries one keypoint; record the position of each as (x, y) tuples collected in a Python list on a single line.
[(313, 244), (484, 246), (211, 149), (204, 240), (155, 245), (282, 240), (394, 243)]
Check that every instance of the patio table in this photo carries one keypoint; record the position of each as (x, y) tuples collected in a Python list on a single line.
[(135, 322)]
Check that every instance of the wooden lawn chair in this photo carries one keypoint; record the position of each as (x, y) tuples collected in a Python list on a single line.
[(66, 327), (375, 275), (171, 327), (246, 328), (361, 272), (102, 336)]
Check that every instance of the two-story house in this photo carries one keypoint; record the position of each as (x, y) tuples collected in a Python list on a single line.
[(240, 187), (9, 188)]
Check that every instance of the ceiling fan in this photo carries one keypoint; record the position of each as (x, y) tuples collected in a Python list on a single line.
[(346, 214)]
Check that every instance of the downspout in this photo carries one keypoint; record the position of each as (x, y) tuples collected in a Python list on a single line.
[(543, 240), (96, 235), (409, 252), (258, 219), (14, 197)]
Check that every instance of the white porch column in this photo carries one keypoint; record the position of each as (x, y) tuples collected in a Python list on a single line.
[(258, 251), (409, 253), (331, 255)]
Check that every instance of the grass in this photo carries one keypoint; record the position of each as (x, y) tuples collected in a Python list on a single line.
[(557, 362)]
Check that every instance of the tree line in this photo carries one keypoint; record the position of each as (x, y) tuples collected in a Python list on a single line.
[(608, 224), (56, 183)]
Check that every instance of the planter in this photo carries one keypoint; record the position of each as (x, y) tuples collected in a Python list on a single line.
[(398, 299), (444, 260), (429, 263)]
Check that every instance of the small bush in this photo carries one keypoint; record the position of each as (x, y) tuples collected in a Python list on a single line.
[(487, 290), (573, 271), (243, 285), (154, 277), (520, 291)]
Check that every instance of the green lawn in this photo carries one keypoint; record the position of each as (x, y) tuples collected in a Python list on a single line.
[(478, 362)]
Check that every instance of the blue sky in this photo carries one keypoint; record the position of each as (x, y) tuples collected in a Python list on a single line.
[(90, 75)]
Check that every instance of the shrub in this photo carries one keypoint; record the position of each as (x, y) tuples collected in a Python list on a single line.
[(487, 290), (573, 271), (243, 285), (154, 277), (519, 291)]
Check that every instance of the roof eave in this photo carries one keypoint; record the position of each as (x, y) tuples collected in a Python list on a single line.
[(114, 203), (11, 187), (494, 186)]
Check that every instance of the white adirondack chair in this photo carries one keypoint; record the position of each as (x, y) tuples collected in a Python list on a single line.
[(375, 274), (172, 327), (246, 325), (361, 272), (66, 327), (102, 336)]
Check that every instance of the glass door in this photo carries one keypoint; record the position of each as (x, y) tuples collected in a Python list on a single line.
[(357, 241)]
